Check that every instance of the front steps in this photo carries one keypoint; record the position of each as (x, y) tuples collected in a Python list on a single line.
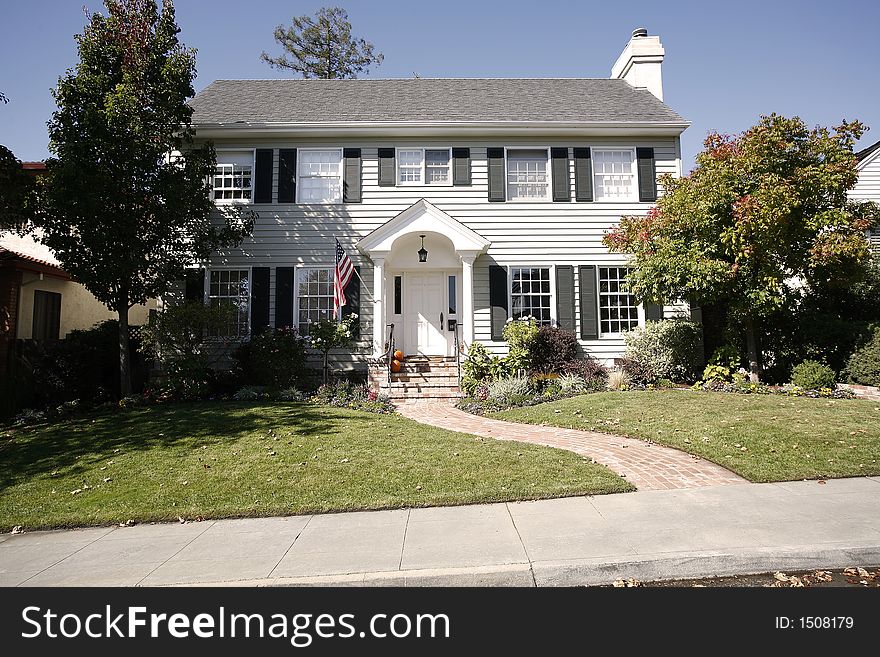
[(420, 377)]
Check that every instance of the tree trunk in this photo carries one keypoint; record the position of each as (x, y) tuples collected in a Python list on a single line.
[(124, 359), (326, 368), (752, 348)]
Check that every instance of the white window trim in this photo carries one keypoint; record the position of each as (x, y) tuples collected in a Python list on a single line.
[(237, 201), (552, 268), (548, 196), (424, 181), (640, 307), (316, 149), (298, 271), (635, 161), (207, 295)]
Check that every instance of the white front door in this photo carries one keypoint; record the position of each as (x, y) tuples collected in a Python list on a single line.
[(424, 314)]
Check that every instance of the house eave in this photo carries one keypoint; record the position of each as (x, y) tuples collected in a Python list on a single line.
[(441, 128)]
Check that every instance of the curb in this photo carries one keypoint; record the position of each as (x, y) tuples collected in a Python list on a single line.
[(600, 571)]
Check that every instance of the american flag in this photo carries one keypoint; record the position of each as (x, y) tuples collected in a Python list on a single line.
[(344, 271)]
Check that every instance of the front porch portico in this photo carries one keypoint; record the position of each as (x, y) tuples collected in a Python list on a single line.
[(427, 301)]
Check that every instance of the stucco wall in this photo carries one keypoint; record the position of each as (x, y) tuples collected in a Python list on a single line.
[(79, 308)]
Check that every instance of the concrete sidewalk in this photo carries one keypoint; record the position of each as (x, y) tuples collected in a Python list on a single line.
[(647, 535)]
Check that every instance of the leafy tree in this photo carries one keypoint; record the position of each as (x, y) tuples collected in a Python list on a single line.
[(322, 47), (761, 220), (327, 334), (126, 199), (17, 200)]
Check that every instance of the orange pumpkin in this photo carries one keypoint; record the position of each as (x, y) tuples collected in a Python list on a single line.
[(395, 365), (398, 355)]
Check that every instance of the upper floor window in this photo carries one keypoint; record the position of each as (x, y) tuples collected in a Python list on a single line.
[(527, 175), (530, 293), (320, 176), (614, 175), (231, 288), (233, 177), (424, 166), (618, 309)]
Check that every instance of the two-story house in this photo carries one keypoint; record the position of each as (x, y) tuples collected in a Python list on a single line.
[(463, 202)]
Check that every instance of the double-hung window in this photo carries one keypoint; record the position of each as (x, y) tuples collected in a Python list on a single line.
[(230, 289), (233, 177), (614, 175), (618, 309), (528, 177), (424, 166), (530, 293), (314, 293), (319, 175)]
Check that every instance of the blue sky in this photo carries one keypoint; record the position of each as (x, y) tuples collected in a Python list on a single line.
[(726, 62)]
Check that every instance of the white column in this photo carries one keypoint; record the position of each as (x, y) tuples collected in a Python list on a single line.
[(378, 307), (467, 299)]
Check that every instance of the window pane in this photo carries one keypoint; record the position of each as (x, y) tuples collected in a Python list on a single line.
[(527, 174), (314, 296), (526, 298), (452, 302), (618, 311)]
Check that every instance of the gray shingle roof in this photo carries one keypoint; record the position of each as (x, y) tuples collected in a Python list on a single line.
[(566, 100), (864, 153)]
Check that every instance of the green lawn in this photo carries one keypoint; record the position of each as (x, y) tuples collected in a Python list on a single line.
[(761, 437), (240, 459)]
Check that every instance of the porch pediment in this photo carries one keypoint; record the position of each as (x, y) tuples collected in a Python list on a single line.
[(423, 217)]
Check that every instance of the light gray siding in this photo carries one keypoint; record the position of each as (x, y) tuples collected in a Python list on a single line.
[(526, 233), (868, 189)]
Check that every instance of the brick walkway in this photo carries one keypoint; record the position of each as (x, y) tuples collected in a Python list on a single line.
[(646, 465)]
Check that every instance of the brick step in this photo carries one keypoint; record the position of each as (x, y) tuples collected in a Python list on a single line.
[(413, 394), (415, 385)]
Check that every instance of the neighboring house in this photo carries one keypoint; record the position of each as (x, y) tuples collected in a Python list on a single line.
[(38, 299), (508, 184), (868, 186)]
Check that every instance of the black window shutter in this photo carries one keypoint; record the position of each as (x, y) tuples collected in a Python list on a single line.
[(263, 176), (561, 177), (565, 297), (287, 175), (589, 302), (195, 285), (498, 299), (495, 156), (353, 301), (352, 183), (284, 296), (386, 167), (653, 312), (46, 323), (647, 174), (461, 166), (259, 300), (583, 174)]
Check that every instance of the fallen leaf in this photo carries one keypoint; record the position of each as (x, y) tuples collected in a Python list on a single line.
[(821, 481)]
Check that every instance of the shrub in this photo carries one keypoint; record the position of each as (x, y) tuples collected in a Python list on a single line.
[(291, 395), (345, 394), (618, 380), (863, 366), (812, 375), (552, 348), (520, 334), (588, 368), (327, 334), (639, 372), (184, 340), (571, 384), (509, 390), (670, 349), (250, 393), (274, 358)]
